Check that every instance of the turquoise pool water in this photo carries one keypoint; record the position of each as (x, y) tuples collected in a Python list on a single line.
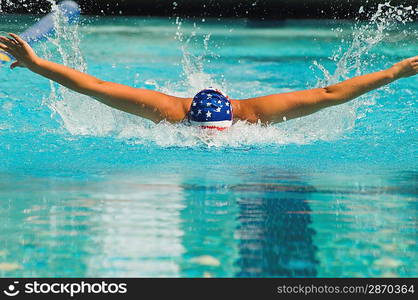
[(89, 191)]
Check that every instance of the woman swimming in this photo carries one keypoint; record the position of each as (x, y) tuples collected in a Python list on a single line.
[(209, 108)]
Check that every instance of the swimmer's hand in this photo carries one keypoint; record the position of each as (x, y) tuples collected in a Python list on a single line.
[(19, 49), (405, 68)]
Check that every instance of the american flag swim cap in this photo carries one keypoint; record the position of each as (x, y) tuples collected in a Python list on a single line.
[(211, 108)]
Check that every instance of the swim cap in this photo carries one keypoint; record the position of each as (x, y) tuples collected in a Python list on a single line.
[(212, 109)]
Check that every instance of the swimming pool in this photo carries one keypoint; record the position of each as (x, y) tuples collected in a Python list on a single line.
[(86, 191)]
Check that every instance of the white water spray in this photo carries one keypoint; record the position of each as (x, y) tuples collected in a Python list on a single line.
[(333, 122)]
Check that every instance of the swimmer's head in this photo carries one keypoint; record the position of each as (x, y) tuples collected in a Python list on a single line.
[(211, 109)]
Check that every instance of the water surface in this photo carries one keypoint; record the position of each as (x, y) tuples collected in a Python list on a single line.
[(89, 191)]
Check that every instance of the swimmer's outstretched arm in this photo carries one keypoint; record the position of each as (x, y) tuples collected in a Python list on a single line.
[(149, 104), (279, 107)]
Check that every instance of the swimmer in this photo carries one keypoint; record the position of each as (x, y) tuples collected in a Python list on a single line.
[(210, 108)]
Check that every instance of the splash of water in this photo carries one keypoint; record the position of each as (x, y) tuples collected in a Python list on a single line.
[(78, 113), (305, 130), (81, 115), (364, 38), (6, 3), (194, 77), (352, 60)]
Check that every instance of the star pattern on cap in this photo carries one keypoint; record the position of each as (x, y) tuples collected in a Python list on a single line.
[(210, 106)]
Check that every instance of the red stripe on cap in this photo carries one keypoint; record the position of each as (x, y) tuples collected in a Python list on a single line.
[(213, 127)]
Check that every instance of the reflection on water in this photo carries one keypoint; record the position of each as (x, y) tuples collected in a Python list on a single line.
[(248, 230), (139, 232), (269, 225), (275, 235), (209, 221)]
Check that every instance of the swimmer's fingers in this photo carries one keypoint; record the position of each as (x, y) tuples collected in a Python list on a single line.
[(5, 48), (11, 45), (21, 45), (9, 39), (16, 44), (406, 68), (16, 64), (8, 50), (18, 39), (21, 50), (415, 67), (414, 63)]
